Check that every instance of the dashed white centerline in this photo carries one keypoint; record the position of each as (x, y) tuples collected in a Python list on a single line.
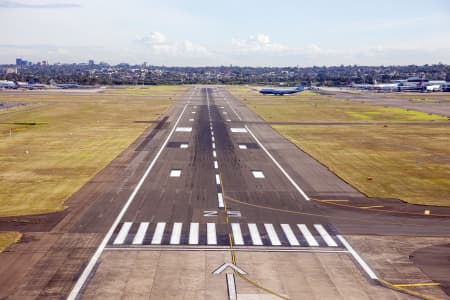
[(216, 164), (217, 179), (214, 154)]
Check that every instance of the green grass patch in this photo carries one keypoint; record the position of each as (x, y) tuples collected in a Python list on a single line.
[(8, 238), (309, 107), (78, 135), (411, 163)]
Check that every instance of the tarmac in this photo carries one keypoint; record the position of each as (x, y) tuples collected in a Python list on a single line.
[(211, 183)]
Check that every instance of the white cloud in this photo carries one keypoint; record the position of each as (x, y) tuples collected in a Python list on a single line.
[(158, 44), (259, 43)]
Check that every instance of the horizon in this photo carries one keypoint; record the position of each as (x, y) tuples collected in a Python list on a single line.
[(250, 34)]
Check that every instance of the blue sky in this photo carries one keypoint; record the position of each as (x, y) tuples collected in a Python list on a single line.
[(255, 33)]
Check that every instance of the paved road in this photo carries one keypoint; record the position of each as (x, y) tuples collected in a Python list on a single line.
[(210, 184)]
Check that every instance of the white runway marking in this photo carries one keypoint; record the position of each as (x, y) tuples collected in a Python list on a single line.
[(216, 164), (176, 234), (214, 154), (358, 258), (308, 236), (220, 200), (184, 129), (193, 234), (214, 145), (254, 234), (140, 234), (279, 166), (159, 231), (175, 173), (290, 235), (272, 235), (231, 284), (237, 234), (217, 179), (122, 235), (324, 234), (193, 112), (213, 139), (258, 174), (184, 146), (191, 120), (238, 130), (211, 238), (242, 146)]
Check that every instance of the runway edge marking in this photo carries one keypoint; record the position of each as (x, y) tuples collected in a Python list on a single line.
[(278, 165), (93, 261)]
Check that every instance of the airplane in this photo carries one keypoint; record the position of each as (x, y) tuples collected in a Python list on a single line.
[(282, 92), (376, 86), (64, 85), (7, 84), (31, 86)]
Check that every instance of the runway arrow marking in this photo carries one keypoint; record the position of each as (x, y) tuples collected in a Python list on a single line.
[(229, 265)]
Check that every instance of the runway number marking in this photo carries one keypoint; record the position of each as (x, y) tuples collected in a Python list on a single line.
[(210, 213), (230, 213)]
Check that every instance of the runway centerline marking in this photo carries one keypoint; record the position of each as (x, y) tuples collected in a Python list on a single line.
[(93, 261)]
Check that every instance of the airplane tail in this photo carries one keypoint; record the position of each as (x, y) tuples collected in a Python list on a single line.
[(52, 82)]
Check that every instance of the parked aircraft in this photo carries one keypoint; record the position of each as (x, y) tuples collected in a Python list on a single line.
[(7, 84), (64, 85), (281, 92)]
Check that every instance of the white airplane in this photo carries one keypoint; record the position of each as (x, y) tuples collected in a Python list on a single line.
[(7, 84), (376, 86)]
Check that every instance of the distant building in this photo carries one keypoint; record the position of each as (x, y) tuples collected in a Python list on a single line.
[(91, 62), (20, 62)]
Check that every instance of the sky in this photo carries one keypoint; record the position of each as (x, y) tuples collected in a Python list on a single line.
[(232, 32)]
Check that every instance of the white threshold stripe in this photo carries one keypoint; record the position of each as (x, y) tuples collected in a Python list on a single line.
[(193, 234), (217, 179), (290, 235), (211, 238), (93, 261), (237, 234), (278, 165), (175, 238), (254, 234), (358, 258), (231, 286), (324, 234), (122, 235), (140, 234), (158, 235), (272, 235), (308, 236), (220, 200)]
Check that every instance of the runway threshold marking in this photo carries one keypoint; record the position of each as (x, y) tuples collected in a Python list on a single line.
[(93, 261)]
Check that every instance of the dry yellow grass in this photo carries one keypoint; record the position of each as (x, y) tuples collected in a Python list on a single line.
[(8, 238), (75, 136), (411, 163)]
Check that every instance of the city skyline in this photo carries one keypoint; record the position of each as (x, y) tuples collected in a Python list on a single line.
[(254, 33)]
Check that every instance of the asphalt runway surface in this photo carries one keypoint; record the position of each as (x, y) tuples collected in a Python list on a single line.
[(209, 176)]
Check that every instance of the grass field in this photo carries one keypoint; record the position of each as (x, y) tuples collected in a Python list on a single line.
[(309, 107), (8, 238), (411, 163), (51, 147)]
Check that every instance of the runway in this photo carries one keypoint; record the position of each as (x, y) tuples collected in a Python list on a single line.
[(210, 184)]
